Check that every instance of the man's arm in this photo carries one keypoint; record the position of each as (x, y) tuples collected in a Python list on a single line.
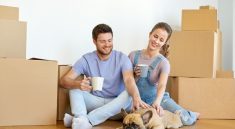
[(133, 90), (69, 81)]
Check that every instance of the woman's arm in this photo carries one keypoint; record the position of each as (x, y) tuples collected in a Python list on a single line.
[(160, 92)]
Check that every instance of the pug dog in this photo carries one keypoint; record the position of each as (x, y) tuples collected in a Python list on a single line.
[(149, 119)]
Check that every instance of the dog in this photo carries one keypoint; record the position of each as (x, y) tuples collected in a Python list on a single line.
[(149, 119)]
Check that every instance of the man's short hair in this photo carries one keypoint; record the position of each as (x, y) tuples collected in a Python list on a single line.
[(101, 28)]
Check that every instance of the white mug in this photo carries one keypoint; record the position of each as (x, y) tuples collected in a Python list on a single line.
[(143, 70), (97, 83)]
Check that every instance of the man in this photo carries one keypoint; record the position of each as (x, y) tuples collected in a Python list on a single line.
[(90, 107)]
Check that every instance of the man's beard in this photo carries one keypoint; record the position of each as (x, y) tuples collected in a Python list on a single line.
[(104, 53)]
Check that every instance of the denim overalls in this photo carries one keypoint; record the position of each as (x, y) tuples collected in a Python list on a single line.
[(148, 93), (147, 89)]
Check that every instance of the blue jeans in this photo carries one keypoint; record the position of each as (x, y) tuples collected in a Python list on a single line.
[(187, 117), (97, 109)]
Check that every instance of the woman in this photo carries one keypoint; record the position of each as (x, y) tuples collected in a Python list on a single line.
[(152, 88)]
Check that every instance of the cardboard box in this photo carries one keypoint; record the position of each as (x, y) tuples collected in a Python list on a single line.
[(212, 98), (207, 7), (28, 92), (13, 39), (225, 74), (203, 19), (10, 13), (193, 53), (169, 88), (63, 94)]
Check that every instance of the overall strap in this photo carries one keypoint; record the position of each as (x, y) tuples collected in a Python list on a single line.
[(136, 58), (156, 62)]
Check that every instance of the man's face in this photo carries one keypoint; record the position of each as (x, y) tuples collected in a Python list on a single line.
[(104, 43)]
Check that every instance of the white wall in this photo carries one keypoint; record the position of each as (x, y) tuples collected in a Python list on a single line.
[(233, 36), (225, 9), (61, 29)]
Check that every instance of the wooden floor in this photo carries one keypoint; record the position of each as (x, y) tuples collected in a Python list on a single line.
[(201, 124)]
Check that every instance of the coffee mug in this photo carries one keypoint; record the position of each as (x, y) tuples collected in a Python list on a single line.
[(97, 83), (143, 70)]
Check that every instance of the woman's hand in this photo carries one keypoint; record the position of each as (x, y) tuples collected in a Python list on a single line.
[(137, 71), (158, 108), (138, 103)]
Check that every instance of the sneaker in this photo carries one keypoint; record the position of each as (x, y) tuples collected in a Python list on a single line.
[(68, 120), (81, 123)]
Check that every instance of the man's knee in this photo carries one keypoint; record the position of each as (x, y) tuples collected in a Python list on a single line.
[(77, 93), (125, 96), (125, 100)]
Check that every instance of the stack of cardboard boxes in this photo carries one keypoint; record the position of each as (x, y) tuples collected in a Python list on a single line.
[(197, 81), (28, 88)]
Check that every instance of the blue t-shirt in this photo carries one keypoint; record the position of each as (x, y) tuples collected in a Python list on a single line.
[(111, 69)]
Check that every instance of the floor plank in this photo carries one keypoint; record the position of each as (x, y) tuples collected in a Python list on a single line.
[(201, 124)]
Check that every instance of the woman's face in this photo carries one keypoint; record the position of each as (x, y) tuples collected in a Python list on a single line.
[(157, 39)]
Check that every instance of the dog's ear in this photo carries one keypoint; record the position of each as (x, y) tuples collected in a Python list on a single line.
[(146, 117), (123, 112)]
